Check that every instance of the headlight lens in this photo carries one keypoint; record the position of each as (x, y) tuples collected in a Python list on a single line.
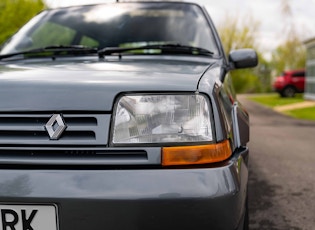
[(154, 119)]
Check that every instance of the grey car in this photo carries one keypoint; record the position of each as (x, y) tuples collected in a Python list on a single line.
[(122, 116)]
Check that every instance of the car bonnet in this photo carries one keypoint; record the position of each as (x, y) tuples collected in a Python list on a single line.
[(90, 86)]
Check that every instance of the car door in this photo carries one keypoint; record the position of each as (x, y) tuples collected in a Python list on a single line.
[(299, 80)]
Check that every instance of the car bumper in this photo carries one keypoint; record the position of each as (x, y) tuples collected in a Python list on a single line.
[(277, 88), (202, 198)]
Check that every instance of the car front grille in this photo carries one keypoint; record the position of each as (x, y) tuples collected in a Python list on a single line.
[(29, 129), (24, 140), (72, 156)]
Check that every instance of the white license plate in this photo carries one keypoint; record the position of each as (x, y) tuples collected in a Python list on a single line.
[(28, 217)]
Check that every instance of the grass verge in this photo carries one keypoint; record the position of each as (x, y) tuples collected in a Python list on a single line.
[(274, 100), (306, 113)]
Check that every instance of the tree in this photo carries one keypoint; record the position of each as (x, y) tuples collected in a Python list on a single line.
[(236, 33), (291, 53), (15, 13)]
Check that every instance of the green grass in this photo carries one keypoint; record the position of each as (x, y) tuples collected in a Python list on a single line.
[(306, 113), (273, 99)]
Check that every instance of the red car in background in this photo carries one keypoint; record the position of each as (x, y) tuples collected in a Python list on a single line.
[(290, 83)]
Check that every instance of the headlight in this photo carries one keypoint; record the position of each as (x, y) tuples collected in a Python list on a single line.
[(162, 119)]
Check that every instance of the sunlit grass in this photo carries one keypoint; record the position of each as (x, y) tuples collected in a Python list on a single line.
[(306, 113), (273, 100)]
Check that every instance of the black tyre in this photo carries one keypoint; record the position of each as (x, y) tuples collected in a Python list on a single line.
[(288, 91)]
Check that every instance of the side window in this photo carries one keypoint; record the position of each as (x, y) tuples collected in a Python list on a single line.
[(299, 74), (43, 37)]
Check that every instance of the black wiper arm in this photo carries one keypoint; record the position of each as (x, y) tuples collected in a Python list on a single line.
[(54, 49), (189, 49), (165, 48)]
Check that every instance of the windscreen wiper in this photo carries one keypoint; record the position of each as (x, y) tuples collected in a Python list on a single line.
[(72, 49), (164, 48)]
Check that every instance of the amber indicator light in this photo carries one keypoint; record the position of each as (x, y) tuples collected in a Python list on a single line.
[(200, 154)]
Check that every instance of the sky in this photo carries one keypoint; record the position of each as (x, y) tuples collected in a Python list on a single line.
[(266, 12)]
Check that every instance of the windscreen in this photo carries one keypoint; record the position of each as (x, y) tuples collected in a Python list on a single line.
[(116, 25)]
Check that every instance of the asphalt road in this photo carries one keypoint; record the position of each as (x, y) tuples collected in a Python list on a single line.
[(282, 170)]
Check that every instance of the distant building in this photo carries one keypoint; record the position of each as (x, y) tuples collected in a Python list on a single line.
[(310, 69)]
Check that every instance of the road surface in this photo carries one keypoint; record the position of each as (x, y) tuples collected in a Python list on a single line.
[(282, 170)]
